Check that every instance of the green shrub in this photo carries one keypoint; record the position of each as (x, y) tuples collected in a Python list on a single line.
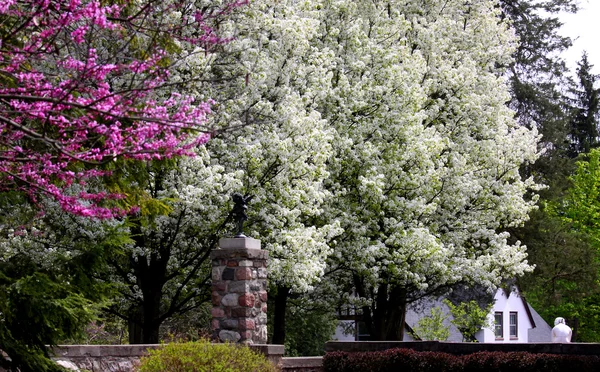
[(432, 328), (203, 356)]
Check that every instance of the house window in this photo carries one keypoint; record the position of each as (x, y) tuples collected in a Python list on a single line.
[(498, 325), (513, 325), (362, 333)]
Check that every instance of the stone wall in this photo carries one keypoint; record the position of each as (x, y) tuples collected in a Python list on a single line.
[(125, 358), (101, 358), (302, 364)]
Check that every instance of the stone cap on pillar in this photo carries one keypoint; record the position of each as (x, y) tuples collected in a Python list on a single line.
[(239, 243)]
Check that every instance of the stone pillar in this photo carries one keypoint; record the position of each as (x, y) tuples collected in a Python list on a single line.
[(239, 291)]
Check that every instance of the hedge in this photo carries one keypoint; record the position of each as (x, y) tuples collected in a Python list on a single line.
[(399, 360)]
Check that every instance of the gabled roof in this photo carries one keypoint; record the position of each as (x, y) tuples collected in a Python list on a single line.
[(542, 331), (528, 308)]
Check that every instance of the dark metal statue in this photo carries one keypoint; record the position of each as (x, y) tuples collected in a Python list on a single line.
[(239, 212)]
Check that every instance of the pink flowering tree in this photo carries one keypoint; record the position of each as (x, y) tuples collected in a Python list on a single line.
[(84, 83), (87, 87)]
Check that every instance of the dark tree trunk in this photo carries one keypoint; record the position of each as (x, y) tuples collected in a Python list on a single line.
[(144, 324), (389, 313), (134, 326), (575, 327), (396, 314), (151, 324), (367, 317), (150, 274), (280, 302), (380, 313)]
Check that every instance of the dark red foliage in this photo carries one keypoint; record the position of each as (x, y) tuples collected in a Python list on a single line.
[(399, 360)]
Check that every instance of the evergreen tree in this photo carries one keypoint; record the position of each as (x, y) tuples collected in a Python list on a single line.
[(540, 89), (538, 83), (586, 109)]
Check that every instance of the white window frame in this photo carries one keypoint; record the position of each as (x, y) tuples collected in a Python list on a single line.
[(513, 327), (499, 325)]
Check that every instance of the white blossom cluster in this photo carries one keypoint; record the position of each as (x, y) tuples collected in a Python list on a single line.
[(282, 148), (425, 179)]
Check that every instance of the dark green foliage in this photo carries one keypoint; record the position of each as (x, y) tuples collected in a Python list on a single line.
[(538, 74), (48, 288), (538, 82), (566, 261), (586, 110), (36, 310), (569, 275), (564, 282), (202, 356), (307, 331), (566, 115), (399, 360), (469, 318), (308, 325)]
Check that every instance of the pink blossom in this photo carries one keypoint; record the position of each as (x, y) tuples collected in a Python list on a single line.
[(64, 99)]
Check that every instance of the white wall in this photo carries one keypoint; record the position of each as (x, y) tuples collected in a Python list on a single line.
[(513, 303), (340, 334)]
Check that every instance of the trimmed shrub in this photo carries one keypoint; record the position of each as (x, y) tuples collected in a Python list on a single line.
[(528, 362), (203, 356), (400, 360), (392, 360)]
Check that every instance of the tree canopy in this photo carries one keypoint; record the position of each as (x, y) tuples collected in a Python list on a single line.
[(84, 83), (375, 138)]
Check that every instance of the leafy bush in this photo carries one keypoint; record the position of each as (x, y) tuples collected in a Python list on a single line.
[(399, 360), (432, 328), (306, 332), (469, 318), (201, 356)]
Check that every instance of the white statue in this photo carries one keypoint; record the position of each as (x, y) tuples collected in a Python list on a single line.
[(561, 332)]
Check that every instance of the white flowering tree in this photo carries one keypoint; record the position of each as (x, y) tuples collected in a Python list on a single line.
[(425, 176), (265, 81), (422, 175)]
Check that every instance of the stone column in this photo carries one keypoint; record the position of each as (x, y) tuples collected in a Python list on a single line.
[(239, 291)]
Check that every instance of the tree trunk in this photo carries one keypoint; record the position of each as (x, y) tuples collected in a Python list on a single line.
[(279, 315), (575, 328), (152, 295), (143, 326), (134, 326), (396, 314), (150, 334), (389, 313), (380, 315)]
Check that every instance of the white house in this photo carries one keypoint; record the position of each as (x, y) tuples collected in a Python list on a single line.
[(513, 320)]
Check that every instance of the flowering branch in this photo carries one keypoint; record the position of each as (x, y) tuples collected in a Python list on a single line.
[(84, 82)]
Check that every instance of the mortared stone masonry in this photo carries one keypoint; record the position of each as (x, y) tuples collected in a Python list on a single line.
[(239, 291)]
